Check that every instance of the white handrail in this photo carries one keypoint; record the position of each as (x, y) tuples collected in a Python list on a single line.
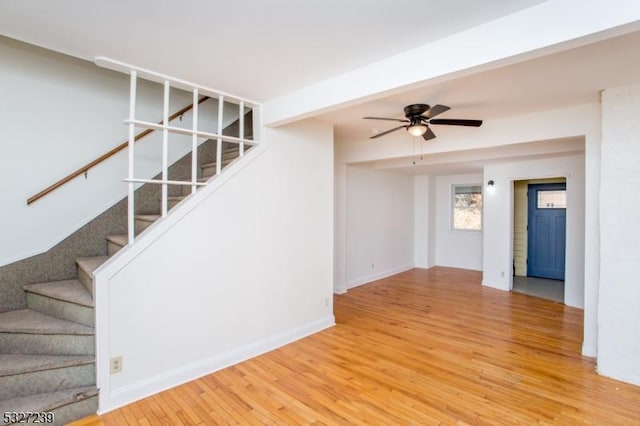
[(181, 130), (178, 83), (168, 182)]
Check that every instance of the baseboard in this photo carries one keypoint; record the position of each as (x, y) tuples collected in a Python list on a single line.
[(176, 377), (494, 285), (377, 276)]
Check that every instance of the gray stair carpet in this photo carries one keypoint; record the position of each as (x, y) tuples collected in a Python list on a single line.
[(57, 402), (90, 264), (12, 364), (25, 375), (69, 291), (120, 240), (27, 321)]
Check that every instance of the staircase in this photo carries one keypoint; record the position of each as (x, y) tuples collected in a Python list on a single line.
[(47, 351)]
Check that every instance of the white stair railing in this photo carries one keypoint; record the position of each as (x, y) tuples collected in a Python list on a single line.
[(167, 129)]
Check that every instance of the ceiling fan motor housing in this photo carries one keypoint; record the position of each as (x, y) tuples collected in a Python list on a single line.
[(415, 110)]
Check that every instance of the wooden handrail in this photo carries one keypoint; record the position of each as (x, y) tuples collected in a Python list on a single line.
[(107, 155)]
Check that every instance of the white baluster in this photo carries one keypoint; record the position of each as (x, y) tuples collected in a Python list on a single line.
[(132, 141), (241, 133), (165, 146), (219, 143), (194, 143)]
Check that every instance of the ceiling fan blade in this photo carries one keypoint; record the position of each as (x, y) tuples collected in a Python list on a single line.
[(456, 122), (384, 118), (436, 110), (428, 135), (388, 131)]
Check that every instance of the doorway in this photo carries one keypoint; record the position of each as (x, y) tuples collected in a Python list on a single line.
[(546, 230), (539, 237)]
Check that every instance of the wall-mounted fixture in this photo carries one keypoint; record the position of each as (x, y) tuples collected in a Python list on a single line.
[(490, 183)]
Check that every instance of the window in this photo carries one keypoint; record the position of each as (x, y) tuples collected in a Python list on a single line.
[(467, 207), (552, 199)]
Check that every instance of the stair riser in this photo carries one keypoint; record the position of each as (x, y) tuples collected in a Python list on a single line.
[(36, 382), (86, 279), (46, 344), (61, 309), (141, 225), (113, 248), (230, 155)]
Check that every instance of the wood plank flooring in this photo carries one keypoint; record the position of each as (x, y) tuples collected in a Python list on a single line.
[(422, 347)]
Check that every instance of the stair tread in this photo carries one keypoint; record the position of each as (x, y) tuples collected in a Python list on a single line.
[(47, 401), (176, 197), (91, 263), (121, 239), (27, 321), (69, 291), (213, 164), (11, 364), (148, 217)]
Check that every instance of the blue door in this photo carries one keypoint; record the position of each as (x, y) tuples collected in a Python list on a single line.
[(546, 230)]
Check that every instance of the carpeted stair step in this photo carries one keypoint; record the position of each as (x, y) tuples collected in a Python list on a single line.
[(174, 200), (186, 189), (66, 405), (24, 375), (86, 266), (68, 300), (209, 169), (143, 221), (30, 332), (115, 243), (230, 153)]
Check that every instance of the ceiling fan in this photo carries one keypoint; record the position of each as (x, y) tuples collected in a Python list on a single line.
[(419, 117)]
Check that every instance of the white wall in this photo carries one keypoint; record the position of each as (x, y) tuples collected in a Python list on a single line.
[(423, 210), (241, 268), (498, 221), (340, 229), (618, 313), (457, 249), (57, 114), (379, 224)]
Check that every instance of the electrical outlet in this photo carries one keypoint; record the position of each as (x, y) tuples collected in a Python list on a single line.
[(372, 265), (502, 274), (115, 365), (326, 302)]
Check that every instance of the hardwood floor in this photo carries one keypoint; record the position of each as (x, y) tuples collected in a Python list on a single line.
[(422, 347)]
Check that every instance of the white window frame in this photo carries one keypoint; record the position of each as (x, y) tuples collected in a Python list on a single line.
[(452, 205)]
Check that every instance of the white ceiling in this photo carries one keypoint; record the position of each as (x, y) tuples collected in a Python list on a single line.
[(559, 80), (251, 48), (266, 49)]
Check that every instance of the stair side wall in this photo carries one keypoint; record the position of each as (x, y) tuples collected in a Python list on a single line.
[(244, 267)]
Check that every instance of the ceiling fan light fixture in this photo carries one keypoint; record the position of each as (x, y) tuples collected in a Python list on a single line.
[(417, 129)]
